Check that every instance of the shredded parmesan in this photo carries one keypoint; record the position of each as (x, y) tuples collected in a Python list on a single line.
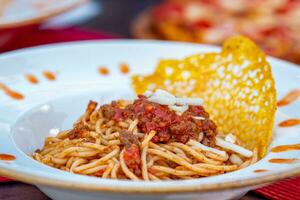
[(238, 149), (235, 159), (53, 131), (189, 101), (230, 138), (162, 100), (198, 117), (179, 109), (206, 148), (148, 93)]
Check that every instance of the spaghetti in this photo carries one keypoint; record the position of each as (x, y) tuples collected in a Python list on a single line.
[(145, 140)]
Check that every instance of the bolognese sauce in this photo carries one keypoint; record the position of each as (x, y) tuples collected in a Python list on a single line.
[(167, 123)]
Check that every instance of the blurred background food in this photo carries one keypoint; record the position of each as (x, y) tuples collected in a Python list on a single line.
[(273, 24)]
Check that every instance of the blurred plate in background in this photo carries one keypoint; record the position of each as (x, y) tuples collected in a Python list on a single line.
[(15, 13)]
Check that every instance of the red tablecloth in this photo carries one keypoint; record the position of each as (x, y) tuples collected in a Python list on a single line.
[(32, 36), (283, 190)]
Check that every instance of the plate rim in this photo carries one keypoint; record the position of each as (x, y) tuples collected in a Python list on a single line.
[(61, 183), (42, 17)]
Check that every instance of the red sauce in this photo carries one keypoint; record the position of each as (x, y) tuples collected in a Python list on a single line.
[(7, 157), (289, 98), (49, 75), (283, 148), (32, 79), (167, 124), (12, 94), (289, 122), (103, 71), (132, 158), (283, 160), (124, 68), (260, 170)]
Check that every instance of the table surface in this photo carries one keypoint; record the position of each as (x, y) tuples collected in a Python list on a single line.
[(115, 17)]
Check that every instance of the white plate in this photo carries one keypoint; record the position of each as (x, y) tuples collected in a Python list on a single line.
[(15, 13), (25, 123)]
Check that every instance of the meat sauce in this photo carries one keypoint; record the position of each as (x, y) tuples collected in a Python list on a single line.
[(155, 117), (168, 125)]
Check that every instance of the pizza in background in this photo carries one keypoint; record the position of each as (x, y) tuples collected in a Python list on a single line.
[(273, 24)]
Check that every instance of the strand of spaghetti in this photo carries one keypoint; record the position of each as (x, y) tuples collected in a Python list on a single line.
[(125, 169), (94, 134), (140, 135), (155, 146), (76, 163), (245, 164), (178, 151), (52, 139), (209, 171), (175, 172), (152, 159), (92, 170), (98, 141), (205, 148), (110, 166), (46, 159), (254, 157), (148, 138), (94, 146), (70, 162), (144, 163), (108, 131), (132, 125), (47, 150), (63, 134), (173, 149), (70, 150), (54, 151), (195, 154), (135, 131), (153, 177), (114, 142), (217, 167), (98, 125), (59, 161), (113, 136), (178, 160), (99, 161), (114, 171), (103, 141), (123, 124), (37, 157), (215, 156), (84, 153)]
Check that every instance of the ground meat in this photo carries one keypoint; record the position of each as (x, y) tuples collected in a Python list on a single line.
[(91, 108), (132, 158), (167, 124), (107, 111), (112, 111), (127, 138), (132, 154), (79, 131)]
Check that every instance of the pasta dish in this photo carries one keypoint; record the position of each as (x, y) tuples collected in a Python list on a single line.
[(157, 136)]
